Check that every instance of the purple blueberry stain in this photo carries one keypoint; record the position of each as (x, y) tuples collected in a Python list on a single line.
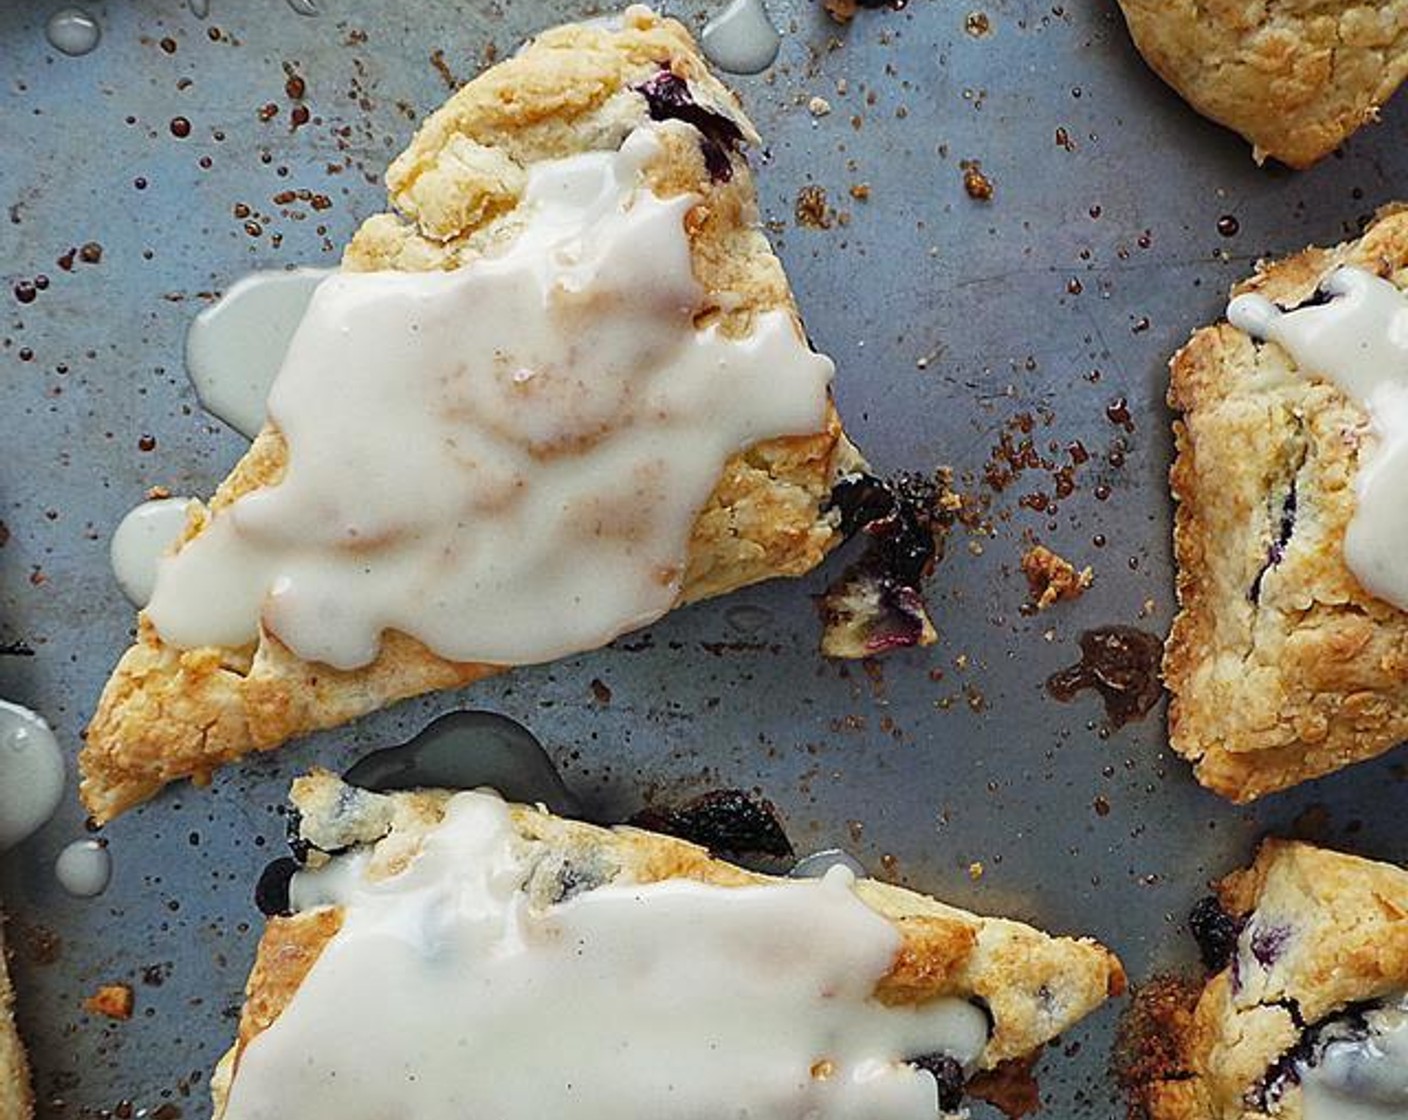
[(668, 98), (1267, 943)]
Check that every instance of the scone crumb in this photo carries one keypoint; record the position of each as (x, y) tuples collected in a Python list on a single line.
[(975, 870), (818, 107), (1053, 578), (842, 11), (860, 192), (978, 185), (158, 493), (811, 209), (1151, 1040), (112, 1000)]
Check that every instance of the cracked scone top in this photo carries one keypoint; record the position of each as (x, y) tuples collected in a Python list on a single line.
[(462, 956), (537, 176), (1281, 665), (1295, 77), (1303, 1017)]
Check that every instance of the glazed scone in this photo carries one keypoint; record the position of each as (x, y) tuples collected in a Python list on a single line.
[(1295, 77), (1281, 666), (444, 868), (15, 1100), (170, 713), (1310, 952)]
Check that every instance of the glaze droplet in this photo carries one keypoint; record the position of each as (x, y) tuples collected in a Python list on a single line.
[(84, 868), (816, 865), (199, 8), (31, 773), (741, 39), (304, 7), (141, 540), (235, 347), (73, 31)]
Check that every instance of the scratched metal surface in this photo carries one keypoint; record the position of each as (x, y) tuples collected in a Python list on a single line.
[(949, 318)]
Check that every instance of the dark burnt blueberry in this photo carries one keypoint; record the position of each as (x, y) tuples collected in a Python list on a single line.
[(949, 1075), (724, 820), (271, 892), (1122, 664), (1276, 551), (1267, 943), (1216, 932), (861, 499), (669, 98), (1318, 298)]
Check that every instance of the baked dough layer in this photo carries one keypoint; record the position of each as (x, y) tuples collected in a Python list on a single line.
[(16, 1103), (168, 714), (1281, 667), (1320, 931), (1295, 77), (1035, 986)]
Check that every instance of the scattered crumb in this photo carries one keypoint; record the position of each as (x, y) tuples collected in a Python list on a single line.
[(978, 185), (977, 24), (818, 106), (157, 493), (437, 60), (842, 11), (1149, 1043), (811, 209), (1053, 578), (861, 192), (975, 870), (112, 1000)]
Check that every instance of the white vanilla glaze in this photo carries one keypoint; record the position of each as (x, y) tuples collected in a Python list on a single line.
[(84, 868), (445, 995), (1358, 341), (1362, 1078), (31, 773), (741, 39), (141, 539), (234, 348), (506, 460)]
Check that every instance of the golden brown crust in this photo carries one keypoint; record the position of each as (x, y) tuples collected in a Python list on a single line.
[(1052, 578), (1034, 985), (16, 1102), (1295, 77), (168, 714), (1278, 672), (1320, 931)]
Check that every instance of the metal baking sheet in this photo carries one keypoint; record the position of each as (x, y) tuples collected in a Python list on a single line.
[(953, 321)]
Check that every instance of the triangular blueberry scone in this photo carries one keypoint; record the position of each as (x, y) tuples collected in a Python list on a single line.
[(463, 956), (1281, 665), (15, 1099), (1305, 1015), (1296, 79), (633, 86)]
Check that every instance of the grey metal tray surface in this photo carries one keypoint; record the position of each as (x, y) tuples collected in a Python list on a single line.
[(954, 323)]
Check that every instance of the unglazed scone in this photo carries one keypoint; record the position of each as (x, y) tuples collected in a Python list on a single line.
[(1310, 952), (1295, 77), (169, 713), (1027, 986), (1280, 665), (15, 1100)]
